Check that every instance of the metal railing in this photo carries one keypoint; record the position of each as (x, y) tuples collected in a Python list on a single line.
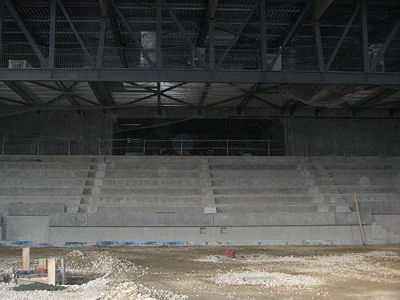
[(129, 146)]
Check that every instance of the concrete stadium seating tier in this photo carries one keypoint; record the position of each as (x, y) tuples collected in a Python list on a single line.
[(214, 199)]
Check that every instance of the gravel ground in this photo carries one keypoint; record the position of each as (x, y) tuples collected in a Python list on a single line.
[(276, 272)]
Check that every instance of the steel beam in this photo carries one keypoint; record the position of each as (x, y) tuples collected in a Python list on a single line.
[(76, 33), (100, 46), (101, 92), (203, 97), (385, 45), (318, 42), (264, 46), (159, 34), (364, 31), (159, 104), (255, 96), (208, 15), (292, 30), (237, 36), (342, 37), (53, 16), (22, 91), (28, 35), (2, 4), (378, 95), (142, 75), (183, 31), (131, 32), (211, 43)]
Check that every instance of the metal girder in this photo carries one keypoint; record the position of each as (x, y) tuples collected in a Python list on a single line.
[(264, 46), (159, 35), (76, 33), (143, 75), (52, 44), (292, 30), (342, 37), (100, 46), (376, 96), (364, 32), (254, 93), (2, 4), (203, 97), (320, 7), (385, 45), (22, 91), (159, 104), (318, 42), (247, 98), (131, 32), (237, 36), (178, 100), (183, 31), (108, 10), (208, 14), (28, 35), (101, 92)]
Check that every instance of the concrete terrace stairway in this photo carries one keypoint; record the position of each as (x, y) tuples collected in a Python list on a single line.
[(214, 199)]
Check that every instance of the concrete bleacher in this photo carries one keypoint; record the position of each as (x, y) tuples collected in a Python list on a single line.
[(213, 199)]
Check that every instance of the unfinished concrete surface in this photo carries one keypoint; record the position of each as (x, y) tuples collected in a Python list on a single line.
[(274, 272), (263, 200)]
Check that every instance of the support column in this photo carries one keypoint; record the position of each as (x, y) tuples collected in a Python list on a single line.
[(264, 46), (364, 23), (159, 35), (53, 16)]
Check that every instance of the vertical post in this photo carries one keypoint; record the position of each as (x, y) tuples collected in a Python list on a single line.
[(364, 23), (320, 53), (1, 22), (159, 35), (144, 147), (100, 46), (26, 258), (264, 46), (51, 271), (53, 13), (99, 146), (269, 153), (181, 147), (211, 45), (69, 147), (359, 219), (38, 146), (3, 146), (62, 271), (227, 147)]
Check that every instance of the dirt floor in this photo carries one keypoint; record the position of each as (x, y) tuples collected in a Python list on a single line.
[(273, 272)]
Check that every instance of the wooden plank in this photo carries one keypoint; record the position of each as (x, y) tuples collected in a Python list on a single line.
[(51, 271), (359, 219), (26, 258)]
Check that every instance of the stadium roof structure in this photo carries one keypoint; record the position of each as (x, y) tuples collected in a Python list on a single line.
[(110, 54)]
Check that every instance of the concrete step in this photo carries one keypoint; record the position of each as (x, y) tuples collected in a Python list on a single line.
[(48, 158), (253, 167), (150, 191), (256, 174), (153, 166), (41, 198), (43, 165), (152, 209), (152, 174), (40, 191), (270, 182), (149, 199), (280, 199), (268, 208), (40, 173), (171, 182), (42, 182)]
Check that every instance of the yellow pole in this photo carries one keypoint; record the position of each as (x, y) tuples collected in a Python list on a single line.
[(359, 219), (388, 236)]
